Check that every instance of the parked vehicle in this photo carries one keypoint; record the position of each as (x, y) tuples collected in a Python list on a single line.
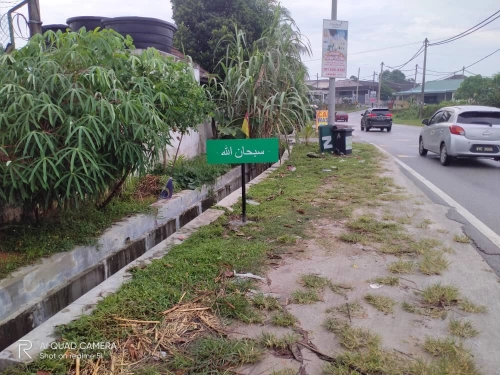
[(462, 131), (341, 116), (380, 118)]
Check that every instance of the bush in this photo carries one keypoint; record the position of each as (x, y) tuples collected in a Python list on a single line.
[(427, 111), (192, 173), (80, 112)]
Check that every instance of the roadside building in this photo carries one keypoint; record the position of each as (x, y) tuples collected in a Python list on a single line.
[(435, 91), (346, 90)]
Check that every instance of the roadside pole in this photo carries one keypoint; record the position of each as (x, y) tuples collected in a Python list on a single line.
[(373, 84), (380, 83), (422, 98), (416, 72), (35, 19), (331, 88), (357, 87), (243, 195)]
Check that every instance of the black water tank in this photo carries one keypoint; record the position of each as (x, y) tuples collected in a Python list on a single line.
[(146, 32), (89, 22), (55, 28)]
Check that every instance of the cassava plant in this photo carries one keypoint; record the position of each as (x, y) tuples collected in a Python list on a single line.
[(79, 112)]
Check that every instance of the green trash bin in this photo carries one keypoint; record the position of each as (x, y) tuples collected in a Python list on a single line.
[(341, 140), (325, 139)]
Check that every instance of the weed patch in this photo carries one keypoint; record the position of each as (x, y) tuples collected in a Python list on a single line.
[(349, 310), (351, 338), (433, 263), (263, 302), (469, 307), (388, 280), (401, 266), (440, 295), (314, 281), (340, 289), (424, 224), (463, 329), (272, 341), (283, 319), (461, 238), (424, 245), (440, 347), (209, 353), (381, 303), (305, 297)]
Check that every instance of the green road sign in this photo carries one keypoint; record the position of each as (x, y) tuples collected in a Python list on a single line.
[(242, 151)]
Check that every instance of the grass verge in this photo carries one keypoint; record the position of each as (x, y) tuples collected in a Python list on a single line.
[(407, 121), (194, 271)]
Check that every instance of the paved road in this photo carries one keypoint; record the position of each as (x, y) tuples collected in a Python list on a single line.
[(474, 184)]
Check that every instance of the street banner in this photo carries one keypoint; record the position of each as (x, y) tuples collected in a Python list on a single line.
[(334, 58)]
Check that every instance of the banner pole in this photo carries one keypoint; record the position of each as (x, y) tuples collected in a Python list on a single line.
[(243, 195)]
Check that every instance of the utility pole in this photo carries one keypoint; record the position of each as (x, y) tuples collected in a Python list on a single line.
[(35, 19), (357, 87), (331, 89), (317, 80), (416, 72), (422, 99), (380, 83), (463, 72)]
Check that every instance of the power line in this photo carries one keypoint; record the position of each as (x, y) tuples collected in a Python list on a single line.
[(484, 58), (420, 50), (473, 29)]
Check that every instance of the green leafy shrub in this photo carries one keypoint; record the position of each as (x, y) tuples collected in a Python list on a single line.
[(192, 173), (82, 111)]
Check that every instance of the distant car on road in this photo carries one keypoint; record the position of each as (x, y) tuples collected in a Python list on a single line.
[(341, 116), (380, 118), (462, 131)]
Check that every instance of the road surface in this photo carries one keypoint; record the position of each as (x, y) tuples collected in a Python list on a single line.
[(473, 184)]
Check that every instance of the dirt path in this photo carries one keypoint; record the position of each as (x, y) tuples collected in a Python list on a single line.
[(432, 254)]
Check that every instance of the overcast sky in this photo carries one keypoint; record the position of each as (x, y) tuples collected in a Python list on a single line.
[(373, 24)]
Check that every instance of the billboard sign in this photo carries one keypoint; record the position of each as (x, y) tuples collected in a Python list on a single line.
[(334, 58)]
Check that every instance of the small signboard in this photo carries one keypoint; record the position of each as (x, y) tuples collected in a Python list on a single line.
[(373, 96), (242, 151), (321, 118)]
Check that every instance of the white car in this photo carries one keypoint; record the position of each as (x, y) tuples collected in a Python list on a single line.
[(462, 131)]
